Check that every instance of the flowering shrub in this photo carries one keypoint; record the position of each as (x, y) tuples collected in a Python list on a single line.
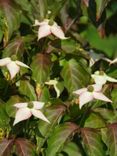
[(58, 75)]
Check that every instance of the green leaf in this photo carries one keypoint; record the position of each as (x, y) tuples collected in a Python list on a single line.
[(114, 97), (107, 114), (41, 66), (15, 47), (59, 136), (45, 95), (92, 142), (27, 89), (72, 149), (107, 45), (104, 135), (112, 139), (69, 45), (94, 121), (42, 8), (53, 114), (10, 109), (4, 118), (6, 147), (100, 6), (75, 75), (11, 17)]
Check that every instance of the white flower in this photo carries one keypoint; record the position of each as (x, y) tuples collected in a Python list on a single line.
[(26, 110), (90, 93), (12, 66), (101, 78), (54, 83), (45, 29)]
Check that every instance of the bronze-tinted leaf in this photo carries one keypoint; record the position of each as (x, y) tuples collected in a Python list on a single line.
[(53, 114), (112, 139), (75, 75), (27, 90), (6, 147), (41, 66), (11, 16), (59, 136), (92, 142), (24, 147)]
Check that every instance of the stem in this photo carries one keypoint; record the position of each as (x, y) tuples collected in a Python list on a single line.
[(84, 115)]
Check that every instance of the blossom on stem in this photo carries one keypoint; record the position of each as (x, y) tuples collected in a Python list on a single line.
[(101, 78), (90, 93), (54, 83), (12, 66), (48, 27), (26, 110)]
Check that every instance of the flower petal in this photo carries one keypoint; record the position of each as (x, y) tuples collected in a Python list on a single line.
[(80, 91), (57, 31), (43, 31), (21, 105), (5, 61), (39, 114), (99, 79), (21, 64), (57, 90), (36, 23), (113, 61), (101, 96), (22, 114), (97, 87), (51, 82), (110, 79), (38, 105), (85, 98), (13, 69), (44, 22)]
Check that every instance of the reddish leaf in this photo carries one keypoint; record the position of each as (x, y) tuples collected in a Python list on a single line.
[(15, 47), (11, 18), (86, 2), (24, 147), (59, 136), (6, 147), (53, 114), (92, 142), (41, 66), (112, 139)]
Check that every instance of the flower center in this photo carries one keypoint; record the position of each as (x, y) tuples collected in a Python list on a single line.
[(90, 88), (30, 105), (101, 72), (13, 57), (51, 22)]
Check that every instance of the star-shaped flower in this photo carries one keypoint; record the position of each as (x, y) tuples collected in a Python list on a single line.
[(26, 110), (12, 66), (101, 78), (48, 27), (90, 93)]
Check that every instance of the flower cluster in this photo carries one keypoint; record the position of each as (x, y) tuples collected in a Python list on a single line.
[(94, 91), (27, 109)]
